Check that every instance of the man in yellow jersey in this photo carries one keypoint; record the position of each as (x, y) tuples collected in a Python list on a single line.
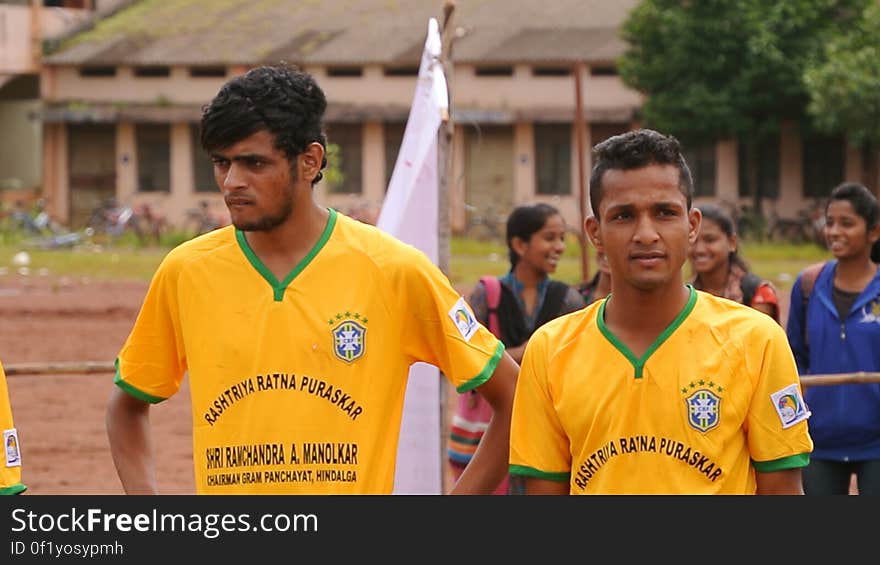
[(296, 325), (10, 472), (659, 388)]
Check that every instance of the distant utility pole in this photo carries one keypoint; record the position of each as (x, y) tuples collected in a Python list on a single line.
[(444, 142), (579, 126)]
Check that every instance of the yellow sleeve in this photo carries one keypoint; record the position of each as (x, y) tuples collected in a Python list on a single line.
[(10, 472), (152, 361), (438, 326), (777, 428), (539, 446)]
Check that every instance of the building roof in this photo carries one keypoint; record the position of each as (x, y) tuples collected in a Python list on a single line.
[(345, 32)]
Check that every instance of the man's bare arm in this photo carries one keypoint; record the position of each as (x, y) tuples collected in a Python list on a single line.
[(490, 462), (780, 482), (128, 429)]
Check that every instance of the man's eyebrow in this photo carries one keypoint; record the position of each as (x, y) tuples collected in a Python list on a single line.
[(616, 207), (668, 204), (241, 157)]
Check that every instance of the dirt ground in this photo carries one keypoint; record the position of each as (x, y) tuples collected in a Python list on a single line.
[(60, 418)]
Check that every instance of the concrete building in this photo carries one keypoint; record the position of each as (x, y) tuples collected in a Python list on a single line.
[(24, 24), (121, 103)]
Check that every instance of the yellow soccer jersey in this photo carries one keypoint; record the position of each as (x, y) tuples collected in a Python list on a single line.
[(10, 472), (714, 398), (298, 386)]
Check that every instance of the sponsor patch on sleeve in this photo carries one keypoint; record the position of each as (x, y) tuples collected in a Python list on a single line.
[(464, 319), (10, 443), (790, 406)]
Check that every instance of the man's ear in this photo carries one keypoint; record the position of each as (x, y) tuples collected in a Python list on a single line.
[(310, 161), (591, 228), (695, 218)]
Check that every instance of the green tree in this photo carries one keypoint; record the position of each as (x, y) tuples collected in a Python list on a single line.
[(728, 69), (844, 89)]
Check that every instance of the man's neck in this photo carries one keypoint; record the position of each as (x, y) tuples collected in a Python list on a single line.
[(645, 312), (283, 247)]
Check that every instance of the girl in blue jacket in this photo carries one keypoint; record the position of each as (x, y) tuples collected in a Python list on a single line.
[(837, 330)]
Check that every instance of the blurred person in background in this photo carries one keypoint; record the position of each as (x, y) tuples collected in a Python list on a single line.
[(600, 285), (719, 270), (834, 327), (529, 297)]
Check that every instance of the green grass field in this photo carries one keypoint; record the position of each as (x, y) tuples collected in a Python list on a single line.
[(780, 263), (469, 259)]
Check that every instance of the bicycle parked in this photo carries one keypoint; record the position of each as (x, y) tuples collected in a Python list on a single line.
[(202, 220), (807, 227), (110, 221)]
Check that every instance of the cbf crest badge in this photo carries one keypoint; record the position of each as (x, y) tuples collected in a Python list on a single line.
[(349, 336), (703, 405)]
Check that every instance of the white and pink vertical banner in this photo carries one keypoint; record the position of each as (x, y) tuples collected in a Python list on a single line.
[(409, 213)]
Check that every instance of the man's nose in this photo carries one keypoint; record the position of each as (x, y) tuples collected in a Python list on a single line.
[(646, 231), (234, 177)]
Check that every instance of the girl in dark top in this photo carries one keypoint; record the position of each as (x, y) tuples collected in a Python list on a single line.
[(721, 271), (529, 298)]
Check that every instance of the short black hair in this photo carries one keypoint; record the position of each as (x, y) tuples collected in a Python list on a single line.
[(282, 100), (634, 150), (524, 222), (864, 204)]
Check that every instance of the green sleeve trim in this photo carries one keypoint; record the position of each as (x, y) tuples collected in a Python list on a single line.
[(14, 489), (790, 462), (524, 471), (485, 373), (117, 380)]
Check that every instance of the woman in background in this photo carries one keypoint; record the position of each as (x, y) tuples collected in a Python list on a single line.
[(600, 285), (528, 299), (719, 270), (834, 327)]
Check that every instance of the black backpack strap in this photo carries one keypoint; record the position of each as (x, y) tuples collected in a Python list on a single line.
[(553, 302)]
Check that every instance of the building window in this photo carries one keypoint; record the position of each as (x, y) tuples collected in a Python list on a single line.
[(401, 71), (207, 72), (203, 168), (97, 72), (153, 157), (152, 72), (393, 139), (551, 71), (767, 168), (349, 139), (701, 162), (345, 72), (493, 71), (603, 71), (553, 158), (823, 165)]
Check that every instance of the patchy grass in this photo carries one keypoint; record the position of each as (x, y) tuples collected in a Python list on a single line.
[(118, 263), (469, 259)]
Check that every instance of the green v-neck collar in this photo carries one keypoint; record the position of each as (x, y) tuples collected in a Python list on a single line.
[(639, 363), (278, 288)]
